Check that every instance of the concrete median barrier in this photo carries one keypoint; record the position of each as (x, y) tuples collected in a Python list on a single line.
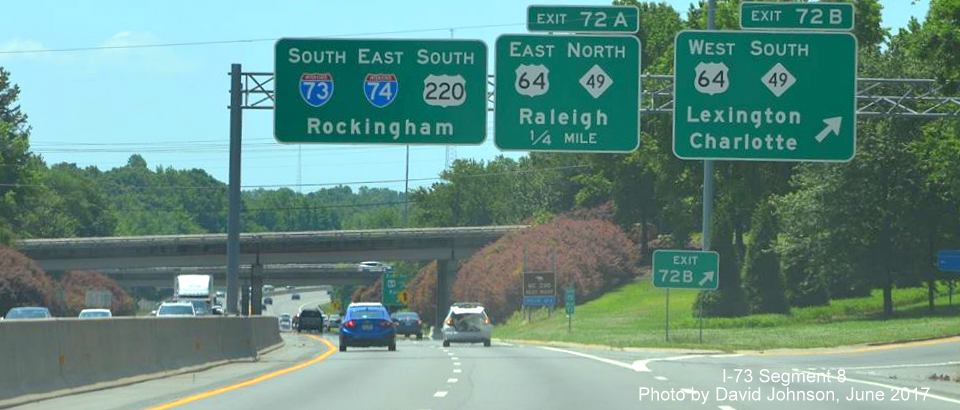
[(40, 358)]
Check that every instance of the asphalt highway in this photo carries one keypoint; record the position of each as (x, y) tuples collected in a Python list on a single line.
[(308, 372)]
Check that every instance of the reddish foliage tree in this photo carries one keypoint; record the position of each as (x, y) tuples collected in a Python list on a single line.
[(24, 283), (76, 284), (423, 293), (369, 293), (592, 255)]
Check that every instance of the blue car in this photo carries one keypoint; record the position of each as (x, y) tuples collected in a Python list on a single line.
[(367, 324)]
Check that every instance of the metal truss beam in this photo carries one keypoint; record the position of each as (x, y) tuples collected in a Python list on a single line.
[(876, 97)]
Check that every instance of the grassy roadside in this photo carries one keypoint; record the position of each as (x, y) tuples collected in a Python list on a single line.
[(634, 316)]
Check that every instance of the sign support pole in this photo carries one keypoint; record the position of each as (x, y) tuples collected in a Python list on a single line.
[(666, 329), (700, 316), (952, 283), (233, 217), (707, 182)]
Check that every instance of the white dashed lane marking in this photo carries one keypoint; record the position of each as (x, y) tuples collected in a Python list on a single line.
[(456, 363), (661, 378), (441, 393), (457, 370), (452, 380)]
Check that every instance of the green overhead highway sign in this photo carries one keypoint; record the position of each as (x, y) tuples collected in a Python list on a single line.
[(567, 93), (583, 19), (796, 16), (380, 91), (394, 287), (686, 269), (764, 96)]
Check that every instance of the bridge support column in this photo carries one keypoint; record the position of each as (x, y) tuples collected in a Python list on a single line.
[(256, 287), (245, 298), (256, 292), (446, 271)]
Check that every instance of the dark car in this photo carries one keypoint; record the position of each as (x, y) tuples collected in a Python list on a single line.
[(295, 296), (267, 301), (408, 323), (310, 319), (367, 324)]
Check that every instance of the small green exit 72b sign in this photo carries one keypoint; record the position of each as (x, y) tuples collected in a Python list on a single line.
[(796, 16), (686, 269)]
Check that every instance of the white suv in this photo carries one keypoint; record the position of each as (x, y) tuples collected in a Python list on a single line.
[(467, 323)]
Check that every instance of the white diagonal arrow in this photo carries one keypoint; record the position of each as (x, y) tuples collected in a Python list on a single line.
[(833, 125), (707, 277)]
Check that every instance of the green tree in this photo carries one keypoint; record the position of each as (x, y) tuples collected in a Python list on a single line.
[(728, 300), (762, 280)]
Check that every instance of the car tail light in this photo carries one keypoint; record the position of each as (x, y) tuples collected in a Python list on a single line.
[(486, 321), (418, 322), (386, 323), (350, 324), (449, 322)]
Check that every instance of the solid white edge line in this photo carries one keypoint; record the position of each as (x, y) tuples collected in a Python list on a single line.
[(888, 386), (899, 366), (641, 365), (440, 393), (726, 408), (590, 356)]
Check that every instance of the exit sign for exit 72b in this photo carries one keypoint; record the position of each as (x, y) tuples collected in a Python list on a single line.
[(686, 269), (796, 16)]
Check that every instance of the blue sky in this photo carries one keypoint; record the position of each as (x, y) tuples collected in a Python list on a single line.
[(169, 103)]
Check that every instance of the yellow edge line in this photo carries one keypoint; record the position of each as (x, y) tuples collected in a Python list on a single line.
[(207, 394)]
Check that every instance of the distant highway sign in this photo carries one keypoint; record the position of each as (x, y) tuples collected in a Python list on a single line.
[(539, 289)]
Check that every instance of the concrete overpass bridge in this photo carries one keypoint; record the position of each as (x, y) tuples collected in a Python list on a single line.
[(209, 251), (276, 275), (269, 248)]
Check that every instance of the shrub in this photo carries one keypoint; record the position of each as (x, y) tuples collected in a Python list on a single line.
[(592, 255), (76, 284), (762, 279), (24, 283), (423, 293)]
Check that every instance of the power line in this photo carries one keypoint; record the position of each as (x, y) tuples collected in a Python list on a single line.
[(320, 185), (244, 41)]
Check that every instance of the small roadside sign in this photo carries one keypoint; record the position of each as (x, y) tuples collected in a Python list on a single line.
[(539, 289), (680, 269), (570, 300), (948, 260)]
